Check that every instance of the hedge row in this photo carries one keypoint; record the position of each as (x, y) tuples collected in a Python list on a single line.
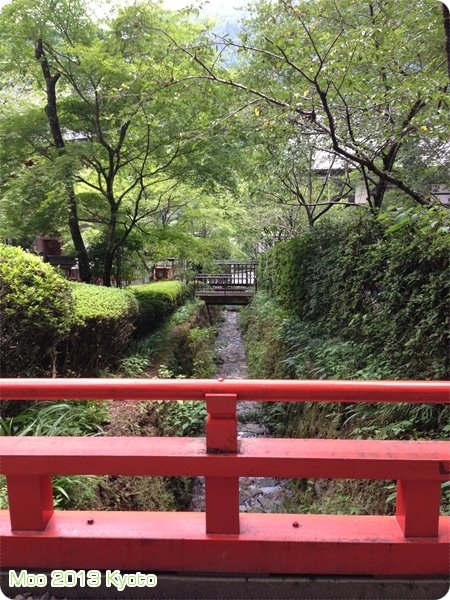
[(50, 326), (36, 312), (156, 302), (380, 283), (102, 326)]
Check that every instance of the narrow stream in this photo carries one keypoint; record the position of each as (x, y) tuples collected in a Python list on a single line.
[(258, 494)]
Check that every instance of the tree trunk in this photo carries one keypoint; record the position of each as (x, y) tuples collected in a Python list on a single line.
[(58, 140), (378, 194), (446, 17), (111, 248), (74, 226), (108, 261)]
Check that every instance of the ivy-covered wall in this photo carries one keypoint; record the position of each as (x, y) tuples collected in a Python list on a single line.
[(381, 283)]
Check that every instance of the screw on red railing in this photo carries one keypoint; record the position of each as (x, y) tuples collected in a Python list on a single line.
[(221, 493)]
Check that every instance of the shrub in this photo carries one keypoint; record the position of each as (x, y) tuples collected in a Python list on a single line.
[(381, 284), (36, 312), (156, 302), (102, 329), (362, 298)]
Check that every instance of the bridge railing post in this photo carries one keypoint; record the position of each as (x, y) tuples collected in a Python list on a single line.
[(221, 493), (30, 499), (418, 506)]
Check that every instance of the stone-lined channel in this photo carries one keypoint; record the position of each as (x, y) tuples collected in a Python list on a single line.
[(257, 494)]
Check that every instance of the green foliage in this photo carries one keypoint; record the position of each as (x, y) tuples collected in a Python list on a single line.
[(76, 493), (262, 325), (93, 302), (32, 202), (201, 345), (183, 417), (133, 156), (362, 299), (69, 492), (136, 363), (336, 69), (36, 312), (397, 421), (380, 285), (186, 311), (311, 355), (156, 302), (183, 343), (180, 417), (137, 493), (275, 416), (102, 330), (77, 418), (302, 351), (144, 350), (341, 497), (57, 418), (188, 351)]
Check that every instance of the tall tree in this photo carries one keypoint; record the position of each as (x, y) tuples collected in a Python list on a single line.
[(130, 134), (51, 110), (24, 25), (368, 75)]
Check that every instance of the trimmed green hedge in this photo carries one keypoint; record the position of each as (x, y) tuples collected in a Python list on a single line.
[(101, 331), (36, 311), (156, 302), (379, 283), (50, 326), (106, 318)]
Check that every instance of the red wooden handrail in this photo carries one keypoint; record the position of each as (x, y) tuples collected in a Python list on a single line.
[(431, 392), (223, 540)]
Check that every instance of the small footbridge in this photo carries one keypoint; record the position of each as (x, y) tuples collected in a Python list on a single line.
[(234, 283)]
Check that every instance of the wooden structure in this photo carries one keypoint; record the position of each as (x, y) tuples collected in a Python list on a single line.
[(235, 283), (164, 270), (414, 542), (50, 250)]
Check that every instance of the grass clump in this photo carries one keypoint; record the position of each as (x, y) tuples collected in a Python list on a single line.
[(77, 418)]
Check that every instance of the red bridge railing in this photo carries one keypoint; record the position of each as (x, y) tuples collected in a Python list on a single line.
[(413, 542)]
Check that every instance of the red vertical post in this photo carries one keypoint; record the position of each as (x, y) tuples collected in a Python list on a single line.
[(30, 499), (221, 493), (418, 505)]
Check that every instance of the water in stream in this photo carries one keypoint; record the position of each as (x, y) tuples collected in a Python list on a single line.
[(257, 494)]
